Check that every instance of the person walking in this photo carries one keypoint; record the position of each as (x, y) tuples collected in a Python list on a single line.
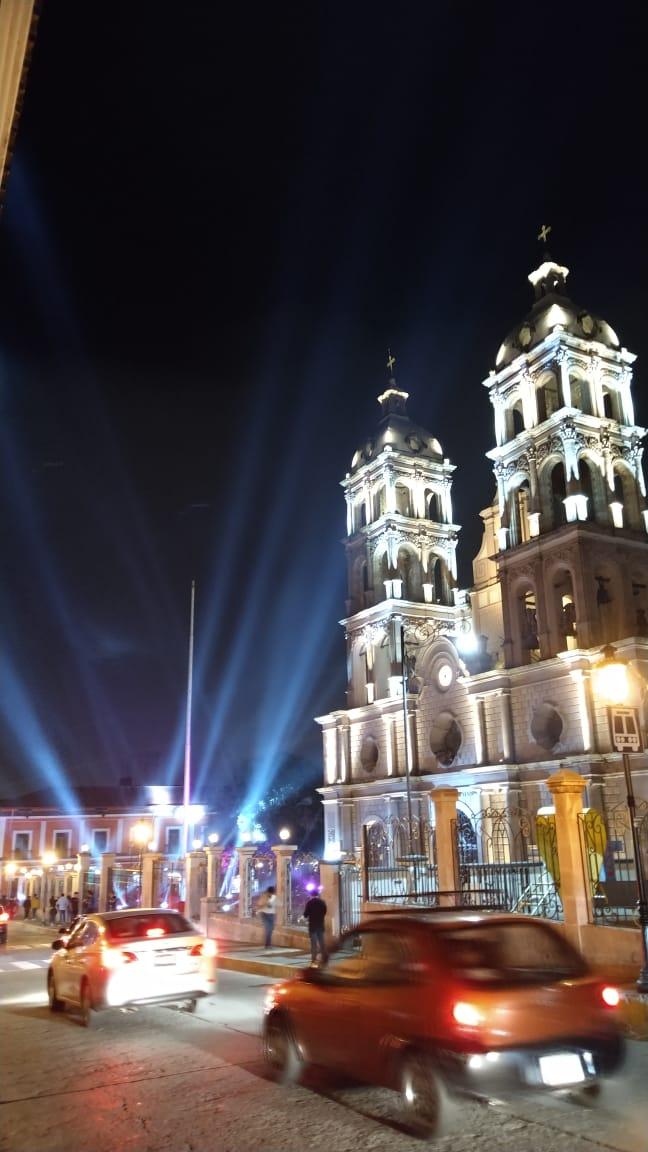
[(52, 909), (267, 908), (314, 914), (35, 905)]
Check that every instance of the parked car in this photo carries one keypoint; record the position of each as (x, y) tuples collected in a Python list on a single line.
[(445, 1002), (132, 957), (4, 920)]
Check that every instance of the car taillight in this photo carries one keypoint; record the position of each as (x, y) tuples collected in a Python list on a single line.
[(114, 958), (205, 948), (4, 916), (610, 996), (466, 1014)]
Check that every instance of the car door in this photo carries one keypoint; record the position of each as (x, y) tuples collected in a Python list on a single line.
[(371, 1005), (81, 961)]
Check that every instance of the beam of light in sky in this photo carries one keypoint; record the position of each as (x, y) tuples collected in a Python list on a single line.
[(28, 732)]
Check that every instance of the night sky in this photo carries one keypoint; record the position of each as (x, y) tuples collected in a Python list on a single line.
[(218, 218)]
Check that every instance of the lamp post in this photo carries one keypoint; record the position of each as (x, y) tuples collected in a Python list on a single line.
[(140, 835), (408, 786), (613, 686)]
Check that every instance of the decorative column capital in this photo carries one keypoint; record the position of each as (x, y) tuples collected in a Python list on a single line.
[(566, 782)]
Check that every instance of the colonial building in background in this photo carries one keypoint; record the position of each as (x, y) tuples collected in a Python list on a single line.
[(491, 691)]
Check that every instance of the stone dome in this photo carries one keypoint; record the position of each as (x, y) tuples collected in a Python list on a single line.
[(552, 309), (397, 432)]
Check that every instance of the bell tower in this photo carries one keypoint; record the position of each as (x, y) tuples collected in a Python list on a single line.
[(570, 520), (400, 548)]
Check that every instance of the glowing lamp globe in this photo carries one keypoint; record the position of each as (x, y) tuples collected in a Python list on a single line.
[(284, 834), (611, 678)]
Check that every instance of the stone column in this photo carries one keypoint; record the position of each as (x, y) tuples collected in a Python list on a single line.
[(107, 864), (567, 790), (508, 747), (193, 862), (283, 854), (147, 880), (445, 819), (330, 893), (214, 856), (245, 854), (83, 868)]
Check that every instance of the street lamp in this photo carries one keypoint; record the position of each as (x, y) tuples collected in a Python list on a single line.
[(613, 685), (140, 835)]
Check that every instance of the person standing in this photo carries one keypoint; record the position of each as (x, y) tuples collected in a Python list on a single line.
[(314, 914), (63, 908), (267, 907)]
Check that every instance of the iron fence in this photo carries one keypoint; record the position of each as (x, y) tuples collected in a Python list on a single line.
[(608, 861), (350, 881), (399, 859), (508, 859)]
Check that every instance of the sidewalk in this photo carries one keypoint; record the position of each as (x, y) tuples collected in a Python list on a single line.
[(275, 963)]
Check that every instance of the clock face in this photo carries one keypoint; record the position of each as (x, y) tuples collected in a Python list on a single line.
[(444, 675)]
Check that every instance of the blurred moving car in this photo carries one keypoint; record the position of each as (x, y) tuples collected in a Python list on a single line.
[(448, 1002), (4, 920), (132, 957)]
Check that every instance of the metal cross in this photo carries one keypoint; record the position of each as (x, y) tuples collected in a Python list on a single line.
[(391, 360), (543, 234)]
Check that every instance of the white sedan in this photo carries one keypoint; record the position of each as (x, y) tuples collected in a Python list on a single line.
[(131, 957)]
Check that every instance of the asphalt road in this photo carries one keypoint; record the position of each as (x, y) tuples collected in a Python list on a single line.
[(161, 1079)]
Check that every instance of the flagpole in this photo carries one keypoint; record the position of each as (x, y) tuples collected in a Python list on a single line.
[(187, 756)]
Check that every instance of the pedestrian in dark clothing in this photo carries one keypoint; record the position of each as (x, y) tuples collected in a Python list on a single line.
[(52, 909), (314, 913)]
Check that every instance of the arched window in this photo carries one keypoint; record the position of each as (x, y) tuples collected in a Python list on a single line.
[(580, 394), (517, 418), (551, 396), (530, 647), (558, 493), (403, 500), (435, 508)]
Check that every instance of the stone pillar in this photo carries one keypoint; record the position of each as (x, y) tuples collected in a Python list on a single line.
[(330, 884), (107, 863), (149, 894), (283, 854), (83, 869), (193, 862), (214, 856), (508, 746), (567, 790), (245, 854), (445, 820)]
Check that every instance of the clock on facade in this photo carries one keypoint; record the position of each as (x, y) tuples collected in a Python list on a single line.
[(445, 675)]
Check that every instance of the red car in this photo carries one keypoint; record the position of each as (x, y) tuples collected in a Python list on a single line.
[(448, 1002)]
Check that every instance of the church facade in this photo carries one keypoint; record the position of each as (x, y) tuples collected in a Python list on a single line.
[(491, 690)]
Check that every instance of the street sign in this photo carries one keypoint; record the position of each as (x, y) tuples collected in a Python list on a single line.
[(625, 729)]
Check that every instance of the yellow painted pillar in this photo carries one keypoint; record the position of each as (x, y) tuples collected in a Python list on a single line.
[(567, 790), (445, 823)]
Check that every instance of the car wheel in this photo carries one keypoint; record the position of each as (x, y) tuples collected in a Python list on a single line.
[(86, 1004), (423, 1094), (279, 1050), (55, 1004)]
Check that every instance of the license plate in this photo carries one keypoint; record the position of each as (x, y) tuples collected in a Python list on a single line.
[(164, 958), (563, 1068)]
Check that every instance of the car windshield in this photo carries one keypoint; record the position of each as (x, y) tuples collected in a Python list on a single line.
[(501, 953), (149, 925)]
